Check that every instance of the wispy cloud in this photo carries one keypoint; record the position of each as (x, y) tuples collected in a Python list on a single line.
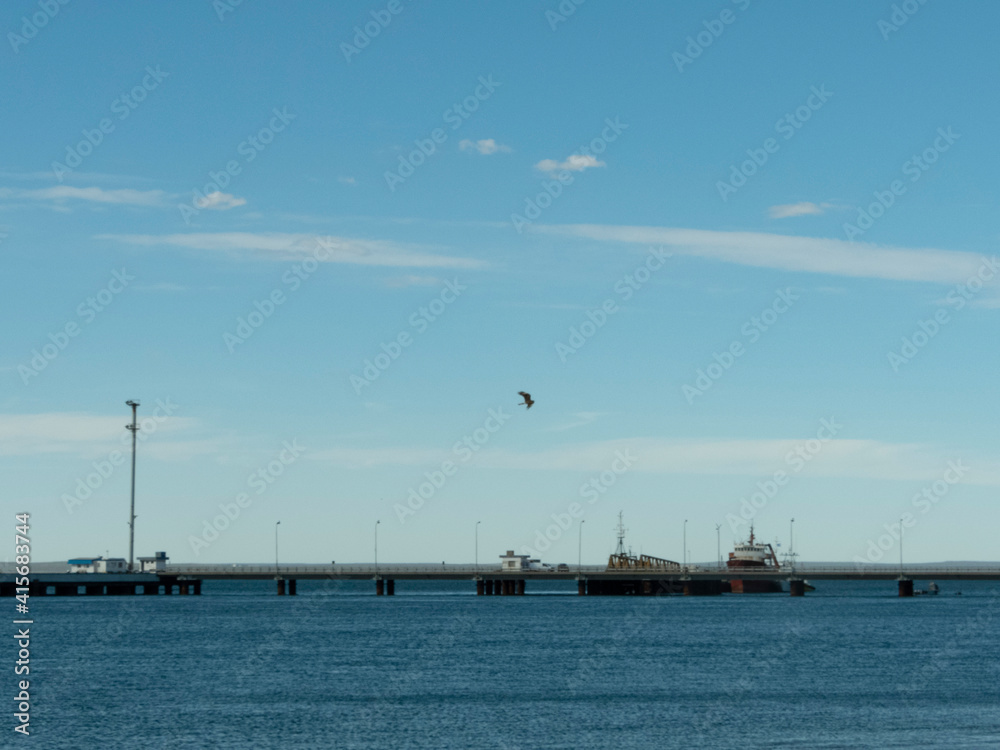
[(486, 146), (805, 208), (73, 176), (575, 163), (864, 459), (580, 419), (164, 286), (397, 282), (790, 253), (219, 201), (63, 193), (347, 180), (281, 247), (86, 435)]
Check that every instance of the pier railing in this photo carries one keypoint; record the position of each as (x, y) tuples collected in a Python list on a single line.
[(844, 571)]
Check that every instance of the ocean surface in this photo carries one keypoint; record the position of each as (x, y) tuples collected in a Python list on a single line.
[(847, 666)]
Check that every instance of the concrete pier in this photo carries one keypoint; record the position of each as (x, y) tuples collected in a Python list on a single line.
[(379, 587), (906, 587), (281, 587), (390, 587), (291, 587), (581, 587), (480, 587)]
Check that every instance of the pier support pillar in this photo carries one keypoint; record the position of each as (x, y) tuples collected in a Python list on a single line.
[(168, 588), (94, 589), (581, 587), (148, 589), (520, 587), (379, 587), (905, 587), (197, 588), (183, 587), (281, 587), (390, 587), (480, 588), (796, 587), (292, 584), (67, 590)]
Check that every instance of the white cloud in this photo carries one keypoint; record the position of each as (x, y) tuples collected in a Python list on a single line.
[(575, 163), (790, 253), (62, 193), (219, 201), (796, 209), (282, 246), (486, 146)]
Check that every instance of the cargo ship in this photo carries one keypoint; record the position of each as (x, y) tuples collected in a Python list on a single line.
[(753, 555)]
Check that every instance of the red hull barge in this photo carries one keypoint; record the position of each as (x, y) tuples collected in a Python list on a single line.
[(753, 556)]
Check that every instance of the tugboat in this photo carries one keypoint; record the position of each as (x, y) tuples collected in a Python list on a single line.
[(753, 555)]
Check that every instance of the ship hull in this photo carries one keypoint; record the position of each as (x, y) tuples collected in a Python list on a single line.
[(740, 586)]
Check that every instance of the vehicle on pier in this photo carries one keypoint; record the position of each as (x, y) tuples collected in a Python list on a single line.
[(750, 555)]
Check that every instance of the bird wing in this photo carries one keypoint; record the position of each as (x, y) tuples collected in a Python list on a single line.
[(527, 396)]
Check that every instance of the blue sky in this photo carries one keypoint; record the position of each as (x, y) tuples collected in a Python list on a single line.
[(728, 247)]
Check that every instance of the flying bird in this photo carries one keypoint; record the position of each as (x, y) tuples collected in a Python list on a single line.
[(527, 399)]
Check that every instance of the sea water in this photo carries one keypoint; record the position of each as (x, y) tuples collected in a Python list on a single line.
[(850, 665)]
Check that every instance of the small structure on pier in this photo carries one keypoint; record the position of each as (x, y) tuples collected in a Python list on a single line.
[(510, 561), (98, 565), (155, 564)]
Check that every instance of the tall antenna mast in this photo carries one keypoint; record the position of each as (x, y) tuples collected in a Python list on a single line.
[(620, 530), (134, 428)]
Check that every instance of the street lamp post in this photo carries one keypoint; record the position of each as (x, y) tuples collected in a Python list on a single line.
[(791, 542), (579, 550), (133, 428), (376, 547), (685, 550), (276, 525), (718, 545), (900, 546), (477, 546)]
